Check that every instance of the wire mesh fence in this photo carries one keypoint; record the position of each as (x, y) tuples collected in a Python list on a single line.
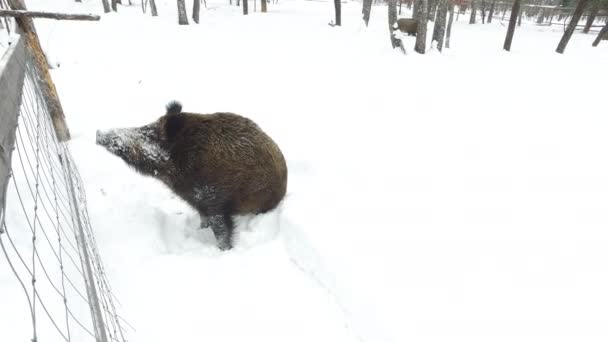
[(52, 282)]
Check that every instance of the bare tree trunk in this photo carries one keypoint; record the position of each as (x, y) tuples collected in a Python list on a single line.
[(483, 11), (519, 18), (400, 1), (473, 12), (421, 16), (491, 14), (432, 5), (153, 8), (448, 33), (602, 35), (338, 7), (367, 9), (439, 29), (182, 16), (541, 16), (576, 16), (115, 5), (512, 22), (594, 9), (245, 7), (392, 20), (196, 10), (264, 6)]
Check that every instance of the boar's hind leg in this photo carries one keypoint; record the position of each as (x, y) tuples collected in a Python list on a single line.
[(222, 226)]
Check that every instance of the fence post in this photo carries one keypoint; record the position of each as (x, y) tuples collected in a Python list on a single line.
[(96, 315), (46, 82), (12, 73)]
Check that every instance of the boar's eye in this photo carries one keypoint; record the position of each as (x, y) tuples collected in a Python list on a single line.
[(149, 132), (173, 125)]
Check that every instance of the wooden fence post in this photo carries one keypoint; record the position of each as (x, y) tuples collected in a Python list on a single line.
[(12, 73), (49, 91)]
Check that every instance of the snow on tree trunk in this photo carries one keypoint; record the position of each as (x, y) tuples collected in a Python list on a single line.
[(512, 22), (367, 10), (491, 14), (473, 12), (264, 6), (338, 8), (392, 21), (245, 7), (602, 35), (439, 29), (449, 29), (591, 17), (196, 10), (576, 16), (182, 17), (421, 16), (106, 6), (153, 8)]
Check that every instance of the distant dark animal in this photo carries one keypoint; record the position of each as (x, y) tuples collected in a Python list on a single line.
[(407, 25), (222, 164)]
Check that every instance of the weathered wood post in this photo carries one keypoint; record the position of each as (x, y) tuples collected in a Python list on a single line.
[(12, 73)]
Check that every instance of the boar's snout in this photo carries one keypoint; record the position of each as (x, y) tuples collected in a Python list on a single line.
[(103, 138), (110, 140)]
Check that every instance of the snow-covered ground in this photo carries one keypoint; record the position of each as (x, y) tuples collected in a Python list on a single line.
[(441, 197)]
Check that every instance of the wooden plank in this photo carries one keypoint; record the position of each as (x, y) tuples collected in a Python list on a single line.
[(47, 15), (12, 73)]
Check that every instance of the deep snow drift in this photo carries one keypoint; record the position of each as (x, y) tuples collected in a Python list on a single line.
[(445, 197)]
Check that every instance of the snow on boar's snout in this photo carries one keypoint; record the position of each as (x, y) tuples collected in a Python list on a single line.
[(222, 164)]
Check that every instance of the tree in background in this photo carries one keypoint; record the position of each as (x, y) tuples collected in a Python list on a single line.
[(182, 16), (512, 22), (491, 13), (448, 32), (595, 7), (473, 12), (392, 21), (576, 16), (602, 35), (245, 7), (367, 10), (439, 29), (264, 6), (338, 8), (422, 17), (196, 10), (106, 6), (153, 8)]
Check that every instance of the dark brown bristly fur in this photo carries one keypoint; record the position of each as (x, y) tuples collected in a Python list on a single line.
[(222, 164)]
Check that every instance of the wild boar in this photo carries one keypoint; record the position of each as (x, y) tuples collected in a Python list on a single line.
[(407, 25), (222, 164)]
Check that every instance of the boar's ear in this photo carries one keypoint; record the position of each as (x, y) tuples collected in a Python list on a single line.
[(174, 120), (174, 107), (174, 124)]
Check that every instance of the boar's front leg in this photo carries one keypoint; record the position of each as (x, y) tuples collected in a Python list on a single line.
[(223, 227)]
